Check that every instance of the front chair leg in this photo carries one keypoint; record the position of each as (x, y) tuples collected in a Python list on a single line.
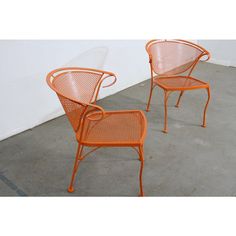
[(141, 158), (150, 97), (166, 95), (206, 106), (180, 95), (76, 165)]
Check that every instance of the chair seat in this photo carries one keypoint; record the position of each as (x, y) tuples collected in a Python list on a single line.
[(180, 83), (117, 128)]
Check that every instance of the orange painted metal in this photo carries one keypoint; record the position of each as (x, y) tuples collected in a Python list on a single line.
[(171, 65), (77, 90)]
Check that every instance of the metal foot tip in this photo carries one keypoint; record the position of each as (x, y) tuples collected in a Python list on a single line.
[(70, 190)]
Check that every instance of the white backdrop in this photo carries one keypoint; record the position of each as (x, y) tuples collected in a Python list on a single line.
[(25, 98)]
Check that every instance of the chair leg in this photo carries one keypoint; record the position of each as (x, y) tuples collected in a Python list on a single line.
[(150, 97), (206, 106), (76, 165), (165, 130), (141, 158), (180, 95)]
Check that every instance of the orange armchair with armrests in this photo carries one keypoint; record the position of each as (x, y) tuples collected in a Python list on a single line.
[(77, 90)]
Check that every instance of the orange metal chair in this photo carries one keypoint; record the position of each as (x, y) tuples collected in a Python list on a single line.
[(171, 63), (77, 89)]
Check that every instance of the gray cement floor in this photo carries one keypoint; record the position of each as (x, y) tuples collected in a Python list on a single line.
[(188, 161)]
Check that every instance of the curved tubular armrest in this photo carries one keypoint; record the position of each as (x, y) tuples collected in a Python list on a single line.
[(206, 53), (108, 74), (95, 109), (113, 82), (86, 116)]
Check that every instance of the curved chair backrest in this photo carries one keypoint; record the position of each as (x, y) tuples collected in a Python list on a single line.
[(173, 57), (77, 90)]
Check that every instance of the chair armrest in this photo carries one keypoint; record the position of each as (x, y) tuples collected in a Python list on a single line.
[(107, 75), (206, 53)]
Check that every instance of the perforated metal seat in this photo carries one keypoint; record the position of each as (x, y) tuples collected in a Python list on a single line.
[(119, 128), (169, 61), (78, 89), (180, 83)]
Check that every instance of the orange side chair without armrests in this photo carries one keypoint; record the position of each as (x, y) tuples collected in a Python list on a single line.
[(77, 90), (171, 63)]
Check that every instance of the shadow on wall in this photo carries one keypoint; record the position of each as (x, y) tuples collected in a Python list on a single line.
[(92, 58)]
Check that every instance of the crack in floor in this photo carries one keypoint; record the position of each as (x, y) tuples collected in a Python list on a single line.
[(11, 185)]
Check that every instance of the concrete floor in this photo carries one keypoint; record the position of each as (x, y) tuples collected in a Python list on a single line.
[(188, 161)]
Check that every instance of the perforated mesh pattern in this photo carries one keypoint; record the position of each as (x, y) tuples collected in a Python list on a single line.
[(116, 127), (179, 82), (73, 111), (79, 86), (172, 58)]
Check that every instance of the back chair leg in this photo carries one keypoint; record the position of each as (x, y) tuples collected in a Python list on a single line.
[(206, 106), (150, 97), (165, 130), (76, 166), (180, 95), (141, 158)]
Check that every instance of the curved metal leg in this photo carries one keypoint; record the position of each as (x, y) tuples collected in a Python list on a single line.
[(150, 97), (165, 130), (205, 109), (180, 95), (141, 158), (76, 165)]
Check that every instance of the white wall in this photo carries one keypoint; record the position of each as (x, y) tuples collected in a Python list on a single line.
[(223, 52), (25, 98)]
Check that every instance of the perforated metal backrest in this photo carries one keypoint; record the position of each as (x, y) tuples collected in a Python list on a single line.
[(173, 57), (77, 89)]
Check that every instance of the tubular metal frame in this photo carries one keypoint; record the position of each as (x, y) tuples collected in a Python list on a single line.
[(87, 114), (155, 79)]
